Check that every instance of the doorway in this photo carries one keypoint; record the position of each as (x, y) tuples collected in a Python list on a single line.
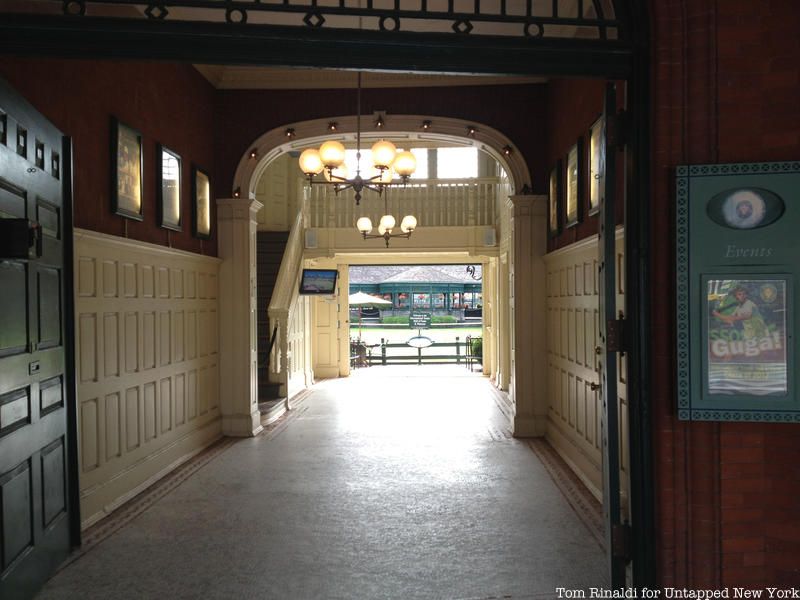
[(475, 59)]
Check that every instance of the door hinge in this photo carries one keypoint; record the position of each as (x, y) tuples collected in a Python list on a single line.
[(618, 130), (615, 335), (621, 541)]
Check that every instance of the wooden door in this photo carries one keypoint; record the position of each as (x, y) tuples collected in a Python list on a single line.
[(34, 501), (609, 345)]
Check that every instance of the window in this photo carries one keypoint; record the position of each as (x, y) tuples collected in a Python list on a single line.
[(421, 154), (456, 163), (422, 300)]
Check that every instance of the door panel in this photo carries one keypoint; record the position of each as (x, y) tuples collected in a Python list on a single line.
[(607, 291), (34, 519)]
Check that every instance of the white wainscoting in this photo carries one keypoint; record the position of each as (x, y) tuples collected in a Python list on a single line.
[(147, 364), (301, 372), (573, 424)]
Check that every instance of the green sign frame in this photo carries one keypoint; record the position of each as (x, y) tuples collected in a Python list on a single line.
[(738, 276)]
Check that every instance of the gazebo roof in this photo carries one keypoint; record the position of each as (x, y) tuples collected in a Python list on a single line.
[(412, 274)]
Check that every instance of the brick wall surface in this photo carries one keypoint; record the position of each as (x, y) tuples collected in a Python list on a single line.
[(725, 85)]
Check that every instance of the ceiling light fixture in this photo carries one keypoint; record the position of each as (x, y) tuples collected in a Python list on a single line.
[(386, 225), (330, 160)]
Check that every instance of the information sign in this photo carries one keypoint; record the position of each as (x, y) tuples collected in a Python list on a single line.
[(737, 277), (419, 319)]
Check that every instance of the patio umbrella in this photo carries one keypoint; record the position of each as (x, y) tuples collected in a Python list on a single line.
[(361, 299)]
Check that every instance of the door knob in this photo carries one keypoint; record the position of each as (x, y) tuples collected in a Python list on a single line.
[(594, 386)]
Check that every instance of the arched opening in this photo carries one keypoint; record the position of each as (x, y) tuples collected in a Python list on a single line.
[(462, 213)]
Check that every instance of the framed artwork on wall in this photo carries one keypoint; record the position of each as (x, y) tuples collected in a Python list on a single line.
[(201, 203), (168, 188), (597, 163), (554, 201), (573, 185), (126, 171)]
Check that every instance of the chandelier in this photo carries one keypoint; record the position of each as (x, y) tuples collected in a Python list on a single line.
[(329, 160), (386, 225)]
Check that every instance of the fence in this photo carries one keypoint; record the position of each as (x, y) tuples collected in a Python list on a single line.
[(404, 353)]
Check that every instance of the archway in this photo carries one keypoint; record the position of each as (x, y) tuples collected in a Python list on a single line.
[(403, 128)]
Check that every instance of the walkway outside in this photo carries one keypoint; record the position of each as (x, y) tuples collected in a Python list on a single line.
[(397, 483)]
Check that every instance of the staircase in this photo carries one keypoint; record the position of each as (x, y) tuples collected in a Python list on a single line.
[(270, 246)]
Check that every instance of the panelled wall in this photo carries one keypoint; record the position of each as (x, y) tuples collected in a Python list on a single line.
[(301, 372), (147, 360), (574, 413)]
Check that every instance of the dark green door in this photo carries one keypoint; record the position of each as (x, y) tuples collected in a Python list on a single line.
[(34, 507), (609, 342)]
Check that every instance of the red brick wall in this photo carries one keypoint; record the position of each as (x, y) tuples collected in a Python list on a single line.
[(572, 106), (515, 110), (725, 88), (169, 104)]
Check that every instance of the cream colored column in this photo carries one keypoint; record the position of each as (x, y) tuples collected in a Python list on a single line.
[(529, 244), (238, 381), (489, 271), (503, 330), (343, 319)]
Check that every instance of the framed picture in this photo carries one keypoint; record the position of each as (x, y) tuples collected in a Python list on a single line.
[(597, 163), (168, 188), (201, 203), (554, 201), (573, 185), (126, 171)]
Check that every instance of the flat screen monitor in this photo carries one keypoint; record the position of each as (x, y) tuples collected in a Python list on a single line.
[(318, 281)]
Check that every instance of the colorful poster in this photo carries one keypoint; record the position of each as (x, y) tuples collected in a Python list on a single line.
[(747, 337)]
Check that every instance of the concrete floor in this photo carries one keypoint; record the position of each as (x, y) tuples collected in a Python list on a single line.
[(397, 483)]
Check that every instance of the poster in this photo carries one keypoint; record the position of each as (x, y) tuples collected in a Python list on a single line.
[(747, 337)]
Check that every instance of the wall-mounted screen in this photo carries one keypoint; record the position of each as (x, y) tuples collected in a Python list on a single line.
[(318, 281)]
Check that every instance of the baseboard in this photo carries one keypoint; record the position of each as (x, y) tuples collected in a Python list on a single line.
[(176, 453)]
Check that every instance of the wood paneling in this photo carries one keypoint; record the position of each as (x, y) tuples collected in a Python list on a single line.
[(572, 329), (143, 342)]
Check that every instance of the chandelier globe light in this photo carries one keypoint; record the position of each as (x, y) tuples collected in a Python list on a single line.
[(330, 161), (386, 226)]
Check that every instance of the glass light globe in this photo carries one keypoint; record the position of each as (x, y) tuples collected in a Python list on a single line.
[(388, 222), (331, 153), (383, 153), (364, 225), (408, 224), (405, 163), (310, 161), (340, 171), (381, 229), (386, 175)]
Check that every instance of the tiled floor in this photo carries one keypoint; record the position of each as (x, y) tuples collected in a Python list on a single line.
[(396, 483)]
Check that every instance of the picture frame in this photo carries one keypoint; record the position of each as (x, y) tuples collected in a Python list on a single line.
[(554, 201), (201, 203), (596, 164), (168, 188), (573, 185), (127, 176)]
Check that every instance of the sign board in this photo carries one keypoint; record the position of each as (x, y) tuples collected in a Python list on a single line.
[(737, 278), (419, 319)]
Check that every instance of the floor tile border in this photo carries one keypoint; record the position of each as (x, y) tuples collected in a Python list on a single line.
[(585, 505)]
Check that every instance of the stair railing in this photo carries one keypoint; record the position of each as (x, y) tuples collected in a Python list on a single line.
[(282, 305)]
